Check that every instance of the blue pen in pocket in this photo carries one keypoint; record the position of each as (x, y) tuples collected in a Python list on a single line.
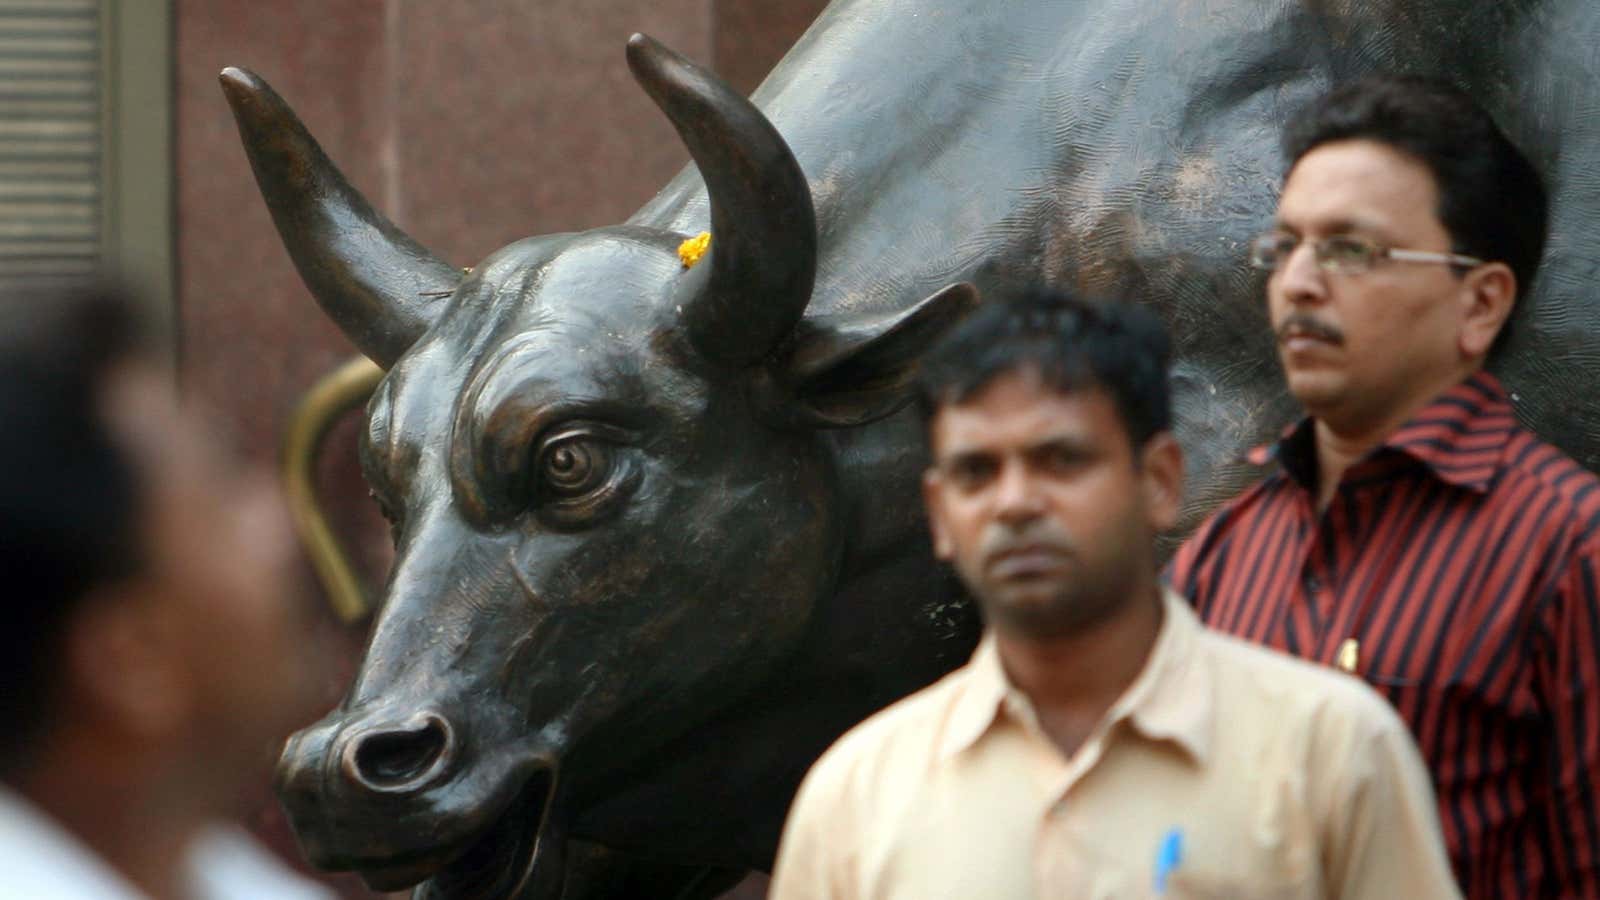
[(1168, 855)]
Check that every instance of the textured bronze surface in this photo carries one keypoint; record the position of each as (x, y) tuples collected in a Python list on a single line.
[(659, 538)]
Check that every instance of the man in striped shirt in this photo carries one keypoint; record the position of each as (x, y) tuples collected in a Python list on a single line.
[(1410, 532)]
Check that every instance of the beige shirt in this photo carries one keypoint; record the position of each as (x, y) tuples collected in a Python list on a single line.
[(1274, 779)]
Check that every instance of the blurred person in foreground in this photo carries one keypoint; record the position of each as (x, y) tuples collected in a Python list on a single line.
[(151, 647), (1409, 530), (1100, 743)]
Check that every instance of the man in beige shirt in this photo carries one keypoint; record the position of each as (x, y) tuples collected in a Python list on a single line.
[(1101, 743)]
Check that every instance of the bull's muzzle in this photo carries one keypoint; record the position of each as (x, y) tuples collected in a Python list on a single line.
[(352, 785), (390, 794), (383, 756)]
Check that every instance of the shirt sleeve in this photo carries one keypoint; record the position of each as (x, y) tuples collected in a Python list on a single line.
[(815, 850), (1384, 840), (1568, 682)]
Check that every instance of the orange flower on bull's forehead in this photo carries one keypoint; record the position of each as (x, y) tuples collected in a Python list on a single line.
[(690, 251)]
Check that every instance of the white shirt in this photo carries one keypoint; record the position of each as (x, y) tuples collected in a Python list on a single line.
[(40, 860)]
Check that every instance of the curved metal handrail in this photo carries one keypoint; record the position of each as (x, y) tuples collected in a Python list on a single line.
[(330, 398)]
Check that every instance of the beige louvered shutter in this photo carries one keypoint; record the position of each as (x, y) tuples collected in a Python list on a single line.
[(51, 116), (86, 143)]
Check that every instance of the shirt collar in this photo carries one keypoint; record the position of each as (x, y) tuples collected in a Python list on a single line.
[(1170, 700), (1460, 436), (984, 690)]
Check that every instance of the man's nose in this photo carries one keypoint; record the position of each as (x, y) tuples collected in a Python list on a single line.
[(1017, 497), (1299, 279)]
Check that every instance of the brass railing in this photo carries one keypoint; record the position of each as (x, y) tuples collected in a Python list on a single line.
[(329, 399)]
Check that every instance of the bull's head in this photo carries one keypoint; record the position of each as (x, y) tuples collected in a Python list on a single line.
[(610, 504)]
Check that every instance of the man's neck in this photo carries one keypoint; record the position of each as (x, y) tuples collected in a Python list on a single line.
[(1072, 680), (1344, 440)]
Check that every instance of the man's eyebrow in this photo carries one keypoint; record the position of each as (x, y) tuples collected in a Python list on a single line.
[(1075, 443), (1073, 437), (963, 454)]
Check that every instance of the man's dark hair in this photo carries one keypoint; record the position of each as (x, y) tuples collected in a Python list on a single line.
[(1491, 198), (69, 499), (1072, 343)]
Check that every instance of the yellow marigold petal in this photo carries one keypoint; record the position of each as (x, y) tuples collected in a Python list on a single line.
[(690, 251)]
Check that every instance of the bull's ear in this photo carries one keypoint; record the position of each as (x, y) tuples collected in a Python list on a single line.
[(840, 371)]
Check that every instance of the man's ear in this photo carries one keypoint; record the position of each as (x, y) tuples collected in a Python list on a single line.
[(942, 547), (1488, 292), (841, 372), (1161, 468)]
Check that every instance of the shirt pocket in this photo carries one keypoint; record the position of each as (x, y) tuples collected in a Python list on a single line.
[(1101, 873)]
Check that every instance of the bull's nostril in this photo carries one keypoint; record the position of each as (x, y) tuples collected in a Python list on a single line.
[(399, 758)]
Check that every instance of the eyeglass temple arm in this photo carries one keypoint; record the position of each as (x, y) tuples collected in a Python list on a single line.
[(1428, 256)]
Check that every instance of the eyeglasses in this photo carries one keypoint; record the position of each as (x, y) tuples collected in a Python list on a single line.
[(1344, 254)]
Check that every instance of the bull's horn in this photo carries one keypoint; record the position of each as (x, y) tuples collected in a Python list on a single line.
[(379, 286), (763, 228)]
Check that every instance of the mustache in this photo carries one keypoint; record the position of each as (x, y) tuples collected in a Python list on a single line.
[(1304, 324), (998, 543)]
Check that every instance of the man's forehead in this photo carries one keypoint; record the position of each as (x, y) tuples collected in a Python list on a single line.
[(1023, 388), (1356, 185), (1022, 409)]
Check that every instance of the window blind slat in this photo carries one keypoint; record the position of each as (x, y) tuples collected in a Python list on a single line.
[(50, 138)]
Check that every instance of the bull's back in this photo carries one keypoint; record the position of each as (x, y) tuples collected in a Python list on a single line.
[(1131, 148)]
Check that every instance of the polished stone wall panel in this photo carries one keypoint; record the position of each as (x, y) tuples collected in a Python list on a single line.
[(750, 36), (519, 117)]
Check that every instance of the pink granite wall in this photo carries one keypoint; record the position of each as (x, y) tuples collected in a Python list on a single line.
[(470, 123), (517, 118), (749, 36)]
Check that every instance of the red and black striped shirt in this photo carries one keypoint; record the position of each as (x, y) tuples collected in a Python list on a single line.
[(1463, 557)]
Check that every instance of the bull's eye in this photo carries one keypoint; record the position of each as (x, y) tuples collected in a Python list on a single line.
[(578, 473), (574, 466)]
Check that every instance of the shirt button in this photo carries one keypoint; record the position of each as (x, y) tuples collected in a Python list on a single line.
[(1313, 584)]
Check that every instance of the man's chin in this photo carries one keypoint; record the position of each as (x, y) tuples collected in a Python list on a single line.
[(1053, 613), (1031, 610), (1315, 388)]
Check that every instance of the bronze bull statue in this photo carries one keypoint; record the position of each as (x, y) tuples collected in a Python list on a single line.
[(658, 532)]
